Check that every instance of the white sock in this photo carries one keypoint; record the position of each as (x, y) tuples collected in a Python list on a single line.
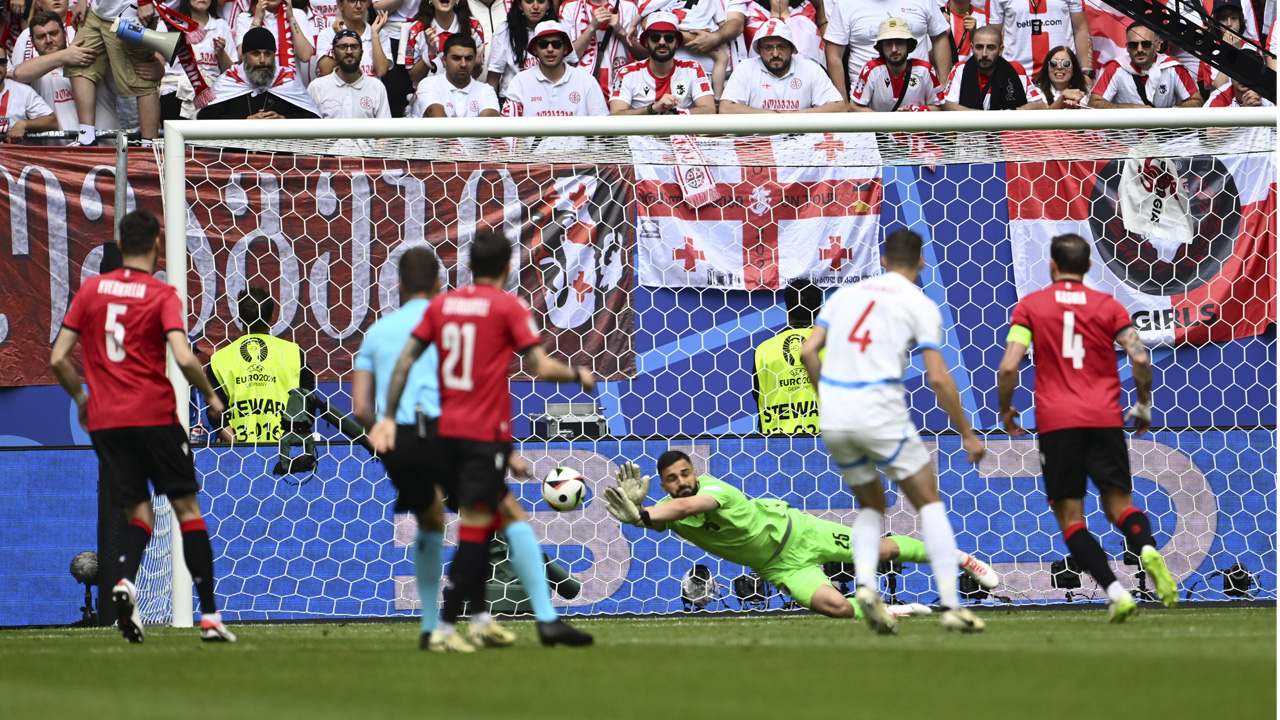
[(866, 545), (1115, 591), (940, 542), (88, 134), (1144, 549), (212, 617), (446, 628), (481, 619)]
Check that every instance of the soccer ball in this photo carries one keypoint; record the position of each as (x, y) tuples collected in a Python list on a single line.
[(564, 489)]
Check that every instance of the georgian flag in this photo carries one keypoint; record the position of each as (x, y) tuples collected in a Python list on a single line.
[(1219, 286)]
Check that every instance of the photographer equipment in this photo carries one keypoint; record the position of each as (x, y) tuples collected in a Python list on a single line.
[(1065, 575), (84, 568), (699, 589), (752, 591)]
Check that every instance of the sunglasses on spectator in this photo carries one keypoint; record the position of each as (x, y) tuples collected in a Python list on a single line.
[(553, 44), (4, 61), (1133, 44), (1064, 64), (668, 38), (347, 47)]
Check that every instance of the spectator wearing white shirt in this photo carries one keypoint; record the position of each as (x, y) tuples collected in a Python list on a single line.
[(662, 84), (353, 15), (265, 14), (348, 92), (854, 24), (511, 51), (894, 82), (22, 48), (455, 92), (43, 72), (962, 19), (1032, 27), (779, 80), (22, 111), (552, 88), (601, 38), (799, 15), (134, 68), (437, 21), (712, 33), (491, 14), (1147, 79), (987, 81), (214, 55)]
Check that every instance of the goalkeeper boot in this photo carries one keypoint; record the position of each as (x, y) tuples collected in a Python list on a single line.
[(212, 629), (1166, 588), (978, 570), (961, 619), (1121, 609), (128, 619), (491, 635), (560, 633), (880, 619), (453, 642)]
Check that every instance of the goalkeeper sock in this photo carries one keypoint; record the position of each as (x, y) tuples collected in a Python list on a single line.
[(526, 556), (426, 569), (1085, 549), (1136, 527), (940, 540), (466, 572), (198, 554), (909, 549), (136, 536), (866, 545)]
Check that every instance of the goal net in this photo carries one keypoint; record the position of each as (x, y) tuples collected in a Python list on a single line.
[(655, 251)]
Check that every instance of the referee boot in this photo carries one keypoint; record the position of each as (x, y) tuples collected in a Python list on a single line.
[(129, 620), (1166, 588), (880, 619), (491, 635), (560, 633)]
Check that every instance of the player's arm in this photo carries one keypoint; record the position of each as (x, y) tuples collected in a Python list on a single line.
[(811, 353), (1007, 377), (656, 518), (217, 425), (944, 388), (363, 405), (193, 371), (60, 364), (1140, 359), (383, 433), (546, 368)]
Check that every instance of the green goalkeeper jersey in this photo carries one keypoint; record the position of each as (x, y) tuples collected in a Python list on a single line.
[(741, 530)]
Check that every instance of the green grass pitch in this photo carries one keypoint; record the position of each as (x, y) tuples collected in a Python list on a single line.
[(1188, 663)]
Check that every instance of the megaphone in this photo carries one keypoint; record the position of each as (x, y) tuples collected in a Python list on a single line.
[(165, 43)]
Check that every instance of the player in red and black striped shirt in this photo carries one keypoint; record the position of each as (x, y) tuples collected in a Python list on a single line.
[(1075, 330), (123, 320)]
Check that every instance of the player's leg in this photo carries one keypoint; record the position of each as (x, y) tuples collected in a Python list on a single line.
[(428, 547), (414, 469), (198, 554), (124, 478), (526, 558), (904, 548), (859, 472)]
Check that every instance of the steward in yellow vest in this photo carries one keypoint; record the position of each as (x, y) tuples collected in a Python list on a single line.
[(788, 400), (254, 374)]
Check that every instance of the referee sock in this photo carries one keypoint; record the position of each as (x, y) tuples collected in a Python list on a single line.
[(466, 572), (426, 569), (1136, 527), (526, 556), (909, 549), (940, 540), (136, 536), (198, 553), (866, 545), (1085, 549)]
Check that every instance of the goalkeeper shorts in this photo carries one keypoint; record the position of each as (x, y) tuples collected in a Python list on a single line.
[(895, 450), (797, 571)]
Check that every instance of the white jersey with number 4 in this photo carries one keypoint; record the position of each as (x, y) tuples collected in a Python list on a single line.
[(871, 329)]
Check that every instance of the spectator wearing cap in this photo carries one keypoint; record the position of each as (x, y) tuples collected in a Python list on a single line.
[(1236, 94), (353, 15), (1147, 79), (854, 24), (23, 109), (712, 31), (987, 81), (348, 92), (257, 88), (894, 82), (552, 88), (662, 84), (44, 73), (799, 15), (455, 92), (133, 67), (779, 80), (512, 48)]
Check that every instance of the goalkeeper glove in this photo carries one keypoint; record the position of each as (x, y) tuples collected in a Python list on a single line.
[(621, 507), (1140, 412), (632, 484)]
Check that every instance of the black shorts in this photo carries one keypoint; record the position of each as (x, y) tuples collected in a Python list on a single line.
[(474, 473), (414, 466), (1068, 456), (129, 456)]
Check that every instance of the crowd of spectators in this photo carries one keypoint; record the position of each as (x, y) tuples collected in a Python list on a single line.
[(265, 59)]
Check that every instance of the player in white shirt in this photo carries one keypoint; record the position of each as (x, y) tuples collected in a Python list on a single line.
[(1032, 27), (893, 82), (662, 84), (43, 72), (348, 92), (454, 92), (353, 16), (987, 81), (22, 110), (778, 79), (854, 24), (552, 88), (868, 330), (1147, 79)]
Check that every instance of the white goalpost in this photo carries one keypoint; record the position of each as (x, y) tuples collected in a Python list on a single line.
[(667, 295)]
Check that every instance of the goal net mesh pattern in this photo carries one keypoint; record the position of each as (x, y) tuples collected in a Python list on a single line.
[(660, 262)]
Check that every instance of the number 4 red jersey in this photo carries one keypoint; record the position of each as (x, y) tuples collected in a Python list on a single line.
[(476, 329), (123, 318), (1074, 328)]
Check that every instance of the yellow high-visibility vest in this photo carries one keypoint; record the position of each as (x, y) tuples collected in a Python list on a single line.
[(257, 372), (788, 401)]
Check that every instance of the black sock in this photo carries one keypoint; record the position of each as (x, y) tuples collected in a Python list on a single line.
[(136, 536), (466, 578), (1085, 549), (198, 554), (1136, 527)]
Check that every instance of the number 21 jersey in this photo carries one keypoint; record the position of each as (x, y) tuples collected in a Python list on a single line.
[(1073, 328), (476, 329)]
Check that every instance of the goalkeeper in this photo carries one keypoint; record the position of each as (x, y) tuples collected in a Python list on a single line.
[(785, 546)]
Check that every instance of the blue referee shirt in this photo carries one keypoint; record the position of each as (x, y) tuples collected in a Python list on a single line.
[(381, 348)]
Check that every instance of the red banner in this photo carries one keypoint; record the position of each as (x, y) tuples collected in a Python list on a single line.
[(325, 235)]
